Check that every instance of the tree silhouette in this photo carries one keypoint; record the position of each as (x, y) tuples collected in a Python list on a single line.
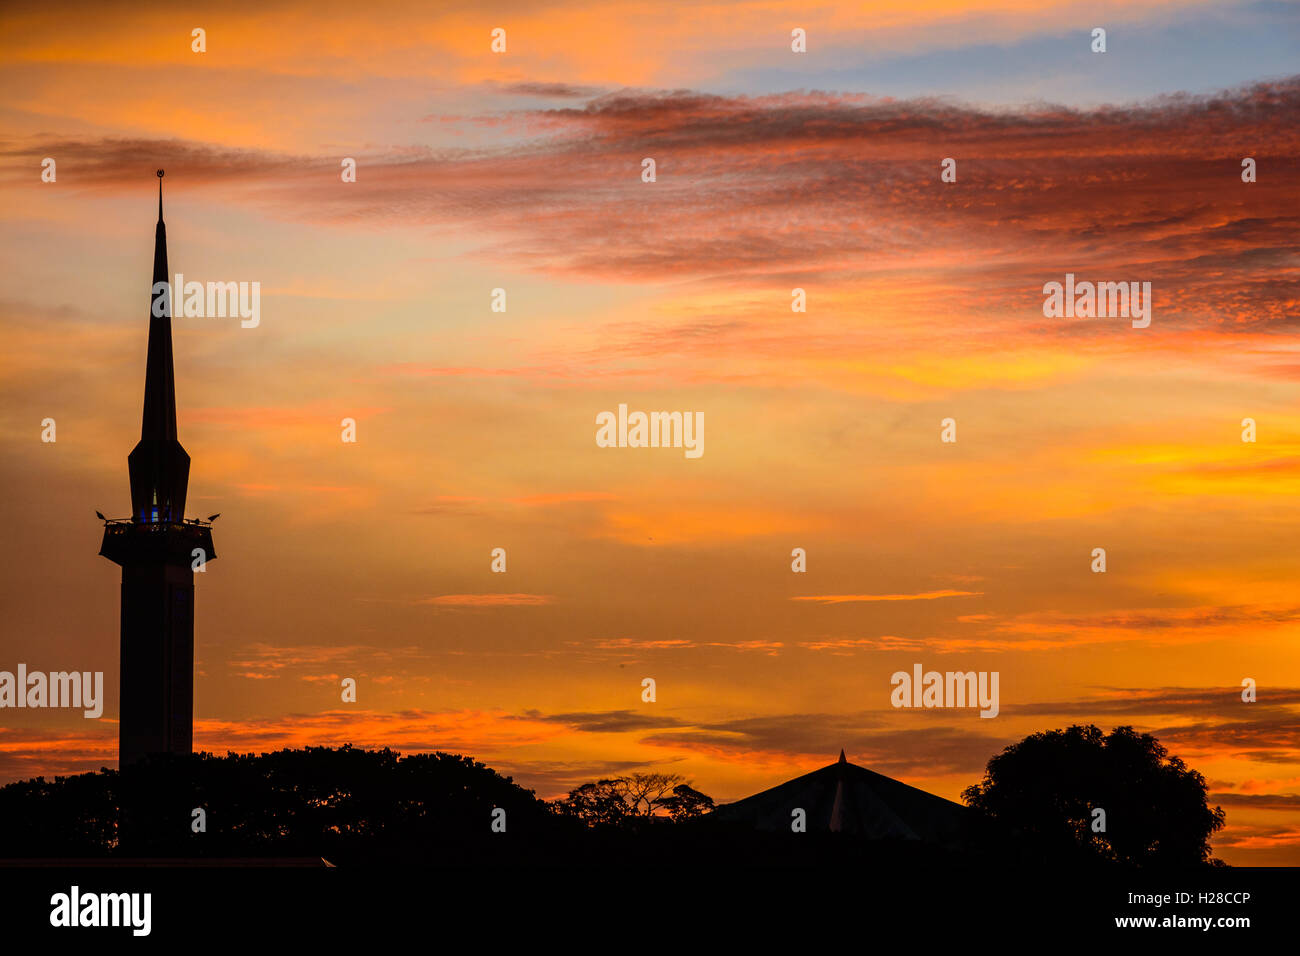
[(645, 793), (634, 799), (1047, 787), (596, 804), (687, 803), (343, 804)]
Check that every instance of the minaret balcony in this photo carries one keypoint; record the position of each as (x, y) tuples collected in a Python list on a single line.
[(129, 541)]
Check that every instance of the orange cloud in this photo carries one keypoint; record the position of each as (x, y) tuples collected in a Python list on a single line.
[(488, 600), (852, 598)]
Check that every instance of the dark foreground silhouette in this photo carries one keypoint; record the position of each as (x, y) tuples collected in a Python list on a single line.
[(1081, 795), (359, 807), (352, 806)]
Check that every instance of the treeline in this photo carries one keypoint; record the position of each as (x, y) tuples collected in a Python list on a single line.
[(341, 804)]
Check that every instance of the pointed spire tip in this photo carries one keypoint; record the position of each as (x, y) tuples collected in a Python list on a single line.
[(160, 178), (842, 760)]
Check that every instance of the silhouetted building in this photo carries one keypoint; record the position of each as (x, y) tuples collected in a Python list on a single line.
[(845, 798), (157, 549)]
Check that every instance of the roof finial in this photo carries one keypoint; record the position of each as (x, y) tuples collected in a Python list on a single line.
[(842, 760), (160, 176)]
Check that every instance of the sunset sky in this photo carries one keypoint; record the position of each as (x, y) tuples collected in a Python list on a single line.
[(476, 429)]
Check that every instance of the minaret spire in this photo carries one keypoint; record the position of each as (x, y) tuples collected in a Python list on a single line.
[(159, 422), (159, 466)]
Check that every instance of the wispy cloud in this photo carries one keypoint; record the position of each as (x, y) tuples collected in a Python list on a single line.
[(260, 661), (854, 598), (488, 600)]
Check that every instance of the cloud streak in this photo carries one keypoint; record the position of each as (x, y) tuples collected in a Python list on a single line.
[(859, 598)]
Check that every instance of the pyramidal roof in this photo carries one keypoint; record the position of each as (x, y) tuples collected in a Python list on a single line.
[(845, 798)]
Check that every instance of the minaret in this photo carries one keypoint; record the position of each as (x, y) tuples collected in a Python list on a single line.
[(158, 551), (840, 808)]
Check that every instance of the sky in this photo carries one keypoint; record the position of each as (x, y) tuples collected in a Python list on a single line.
[(476, 429)]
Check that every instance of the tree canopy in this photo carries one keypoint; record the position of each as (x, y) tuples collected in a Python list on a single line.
[(338, 803), (634, 799), (1047, 790), (345, 804)]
